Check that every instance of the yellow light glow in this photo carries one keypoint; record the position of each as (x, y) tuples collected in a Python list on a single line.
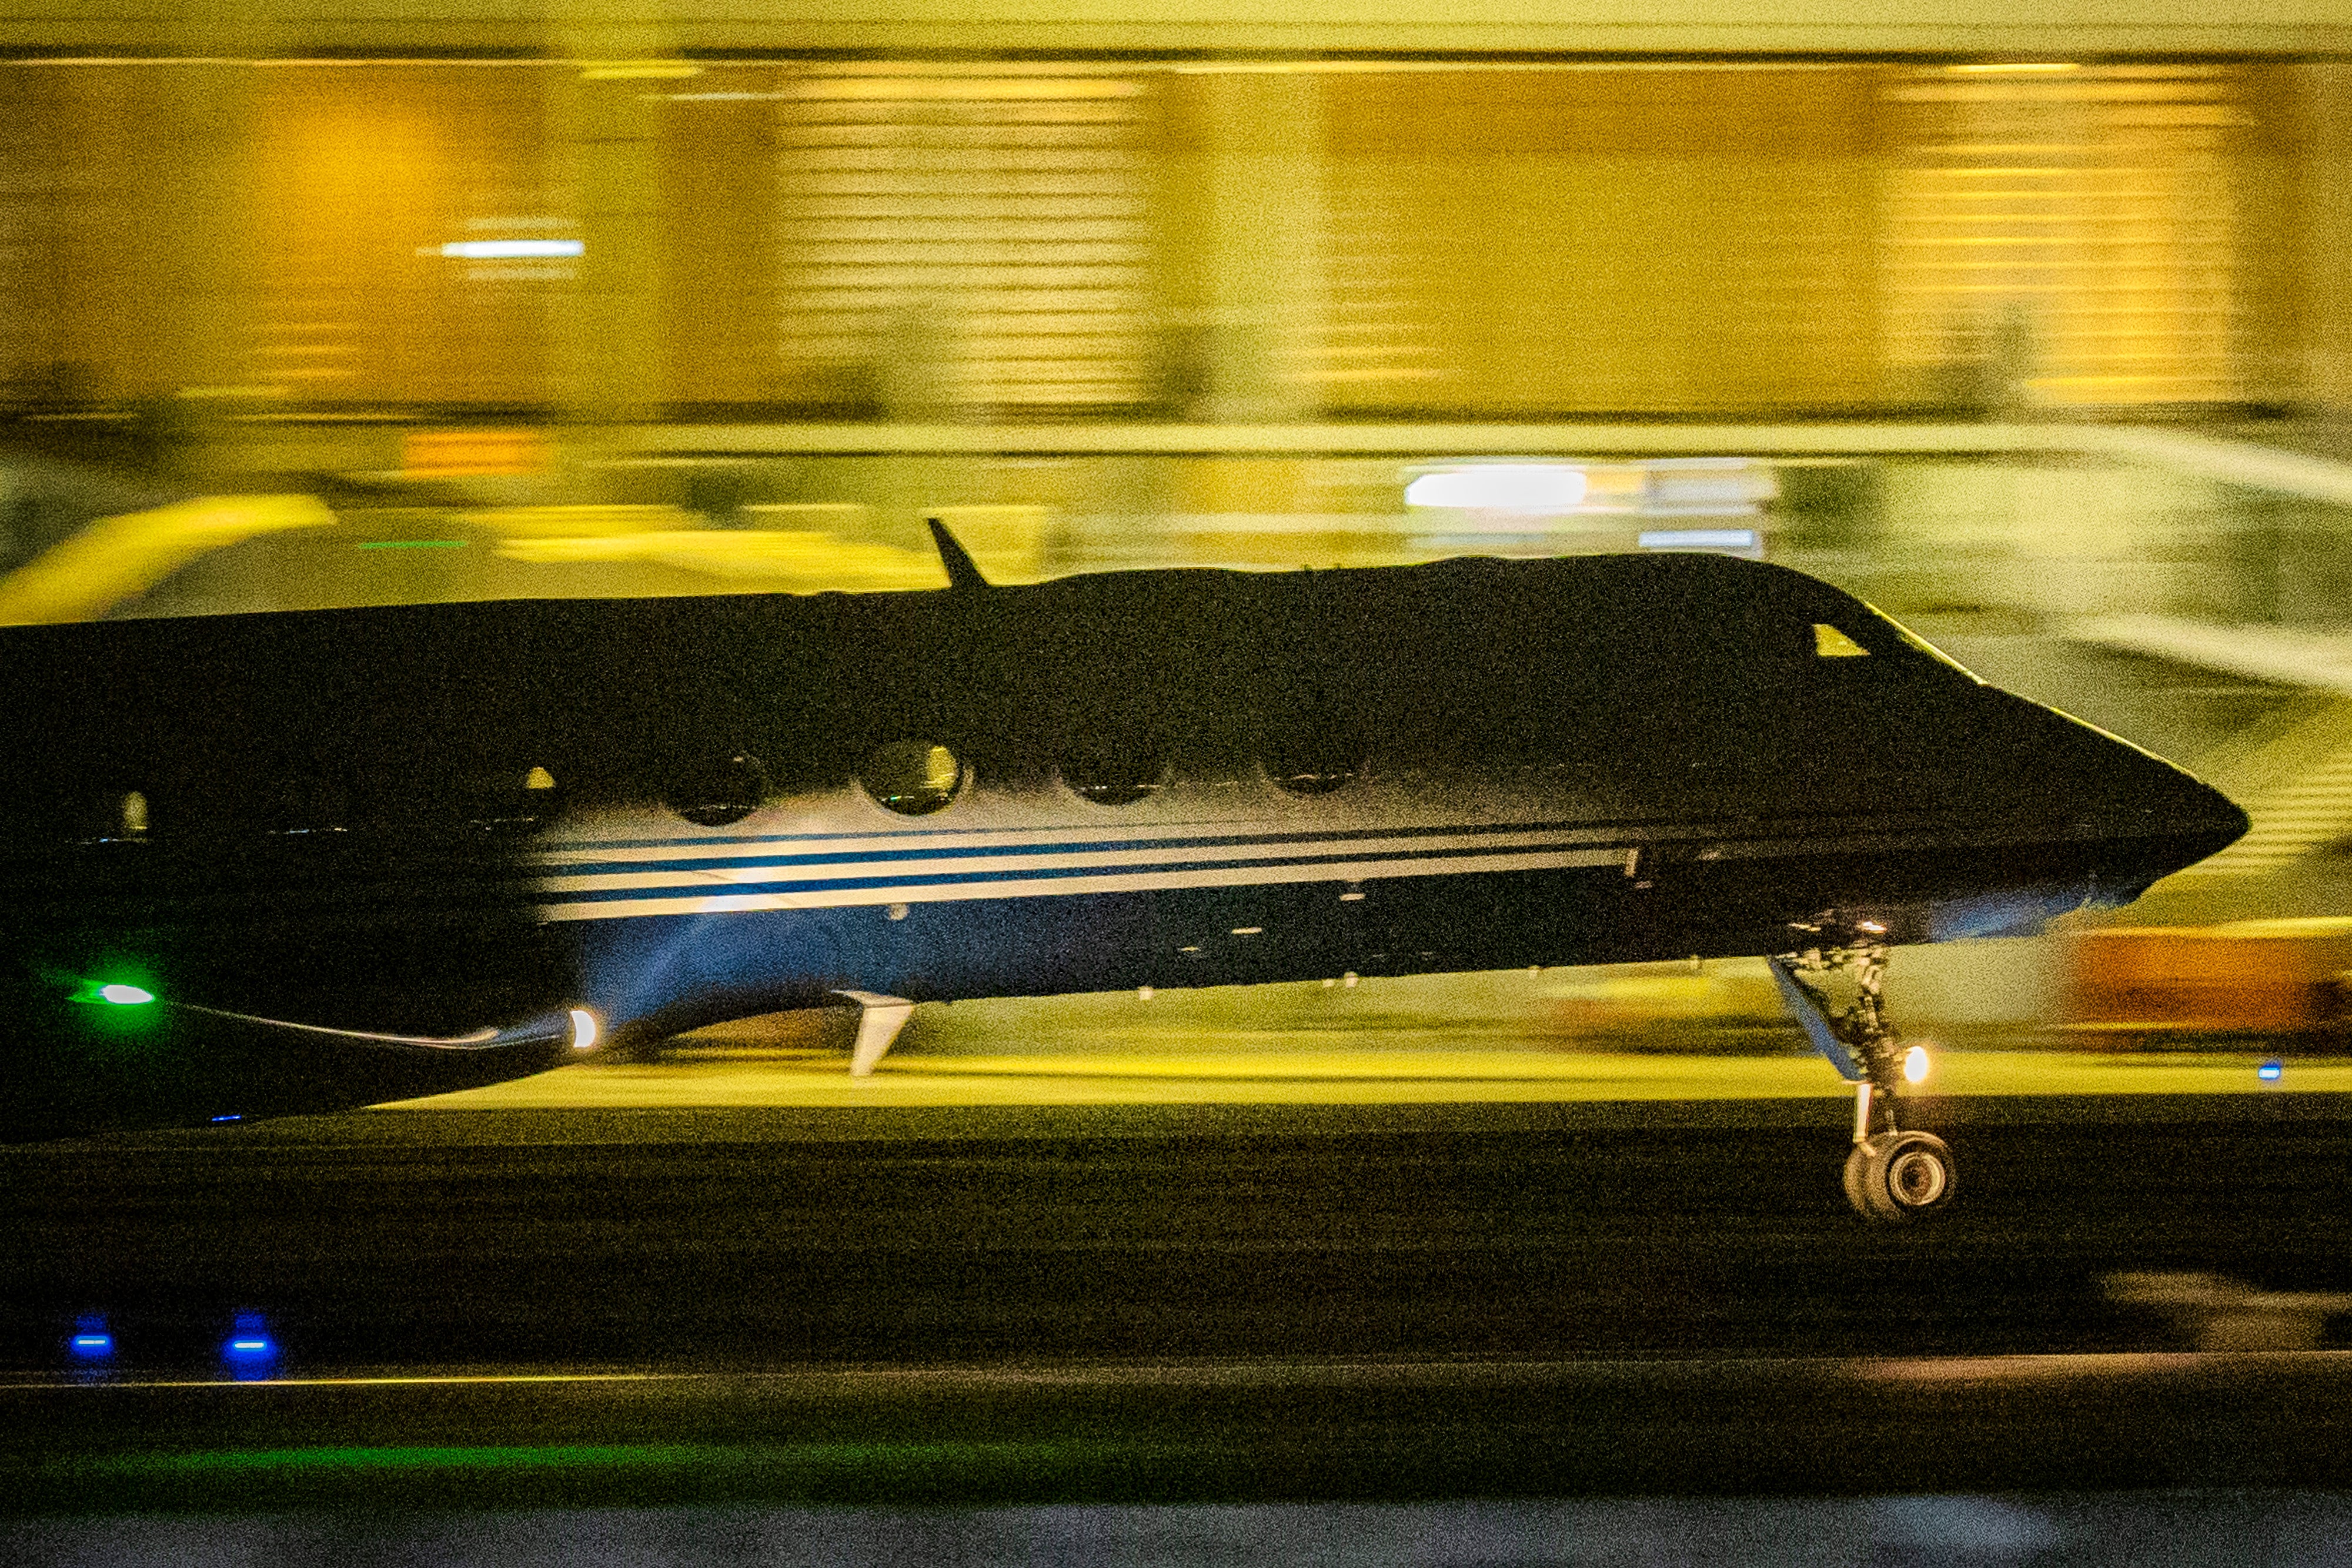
[(638, 70), (115, 557), (1829, 643)]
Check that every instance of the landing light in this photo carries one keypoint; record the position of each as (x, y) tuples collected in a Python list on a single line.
[(1916, 1065), (584, 1031)]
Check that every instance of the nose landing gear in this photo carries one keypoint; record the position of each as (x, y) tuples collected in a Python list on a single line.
[(1891, 1176), (1895, 1177)]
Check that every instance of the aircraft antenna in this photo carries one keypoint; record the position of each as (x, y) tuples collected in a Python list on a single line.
[(961, 573)]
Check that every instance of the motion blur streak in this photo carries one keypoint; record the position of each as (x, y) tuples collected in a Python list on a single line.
[(115, 557)]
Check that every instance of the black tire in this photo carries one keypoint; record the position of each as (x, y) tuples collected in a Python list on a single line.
[(1855, 1163), (1897, 1178)]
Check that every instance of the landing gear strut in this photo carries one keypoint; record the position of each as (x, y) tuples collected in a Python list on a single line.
[(1892, 1176)]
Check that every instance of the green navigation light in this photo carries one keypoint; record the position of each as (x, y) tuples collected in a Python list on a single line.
[(113, 993)]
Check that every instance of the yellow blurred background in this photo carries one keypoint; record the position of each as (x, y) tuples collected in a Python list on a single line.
[(2031, 331)]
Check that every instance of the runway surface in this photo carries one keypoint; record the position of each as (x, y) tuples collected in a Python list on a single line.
[(1171, 1301)]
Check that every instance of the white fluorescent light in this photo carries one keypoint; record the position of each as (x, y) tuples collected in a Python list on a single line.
[(1698, 539), (493, 249), (1530, 488)]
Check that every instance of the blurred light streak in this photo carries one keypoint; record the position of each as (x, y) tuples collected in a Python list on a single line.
[(1525, 488), (1698, 539), (638, 70), (115, 557), (494, 249)]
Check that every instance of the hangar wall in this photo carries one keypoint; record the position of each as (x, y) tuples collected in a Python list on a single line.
[(1239, 216), (631, 28)]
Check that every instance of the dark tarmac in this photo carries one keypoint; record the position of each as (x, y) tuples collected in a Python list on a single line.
[(1170, 1304)]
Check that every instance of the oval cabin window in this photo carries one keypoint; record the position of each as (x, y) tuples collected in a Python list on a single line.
[(309, 803), (912, 777), (515, 802), (722, 791), (1112, 776), (1312, 758), (1316, 776)]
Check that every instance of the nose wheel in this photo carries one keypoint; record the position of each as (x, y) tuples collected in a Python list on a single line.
[(1897, 1177), (1892, 1177)]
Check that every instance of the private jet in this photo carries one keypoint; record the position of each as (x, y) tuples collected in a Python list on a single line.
[(292, 861)]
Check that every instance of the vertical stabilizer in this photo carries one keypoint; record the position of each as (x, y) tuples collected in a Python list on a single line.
[(963, 575)]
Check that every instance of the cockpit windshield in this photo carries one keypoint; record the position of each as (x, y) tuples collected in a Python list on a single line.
[(1920, 644)]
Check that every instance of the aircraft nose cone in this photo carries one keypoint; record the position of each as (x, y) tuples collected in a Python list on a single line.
[(2205, 821), (2170, 821)]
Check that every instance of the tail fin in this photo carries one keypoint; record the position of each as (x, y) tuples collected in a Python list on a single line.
[(962, 574)]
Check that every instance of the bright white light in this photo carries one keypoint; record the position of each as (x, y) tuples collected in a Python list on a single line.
[(583, 1029), (498, 249), (1916, 1065), (1536, 487), (1697, 539), (125, 996)]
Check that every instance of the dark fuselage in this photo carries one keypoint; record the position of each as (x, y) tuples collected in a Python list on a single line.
[(429, 820)]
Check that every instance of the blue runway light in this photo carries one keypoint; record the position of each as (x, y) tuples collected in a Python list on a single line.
[(250, 1349), (91, 1341), (232, 1116), (2269, 1071)]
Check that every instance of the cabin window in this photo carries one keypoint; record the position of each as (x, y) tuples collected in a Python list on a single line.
[(1313, 759), (719, 791), (517, 802), (1829, 643), (1113, 776), (311, 803), (912, 777)]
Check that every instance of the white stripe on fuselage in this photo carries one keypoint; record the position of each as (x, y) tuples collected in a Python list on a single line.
[(839, 895), (679, 873), (912, 862)]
